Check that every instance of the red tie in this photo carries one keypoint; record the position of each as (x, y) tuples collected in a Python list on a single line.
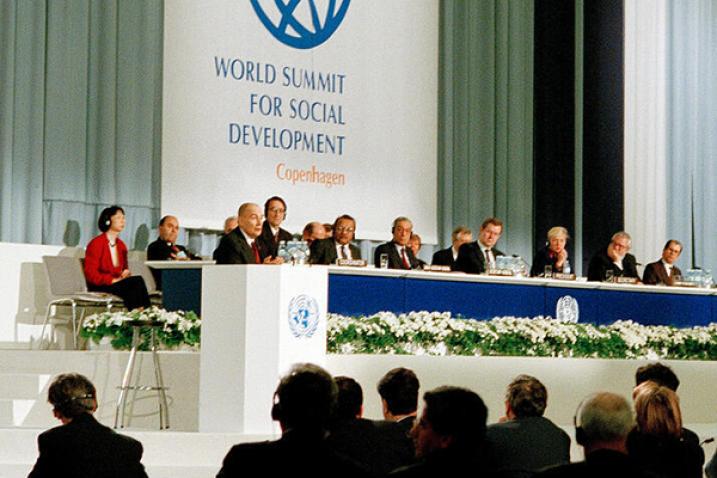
[(406, 265), (255, 248)]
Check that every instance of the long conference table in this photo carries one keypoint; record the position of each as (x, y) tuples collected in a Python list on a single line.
[(364, 291)]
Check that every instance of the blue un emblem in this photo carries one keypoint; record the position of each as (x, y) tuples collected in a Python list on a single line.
[(303, 316), (299, 23)]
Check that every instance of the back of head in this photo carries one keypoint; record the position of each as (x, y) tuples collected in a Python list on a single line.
[(658, 373), (458, 413), (657, 410), (350, 398), (72, 395), (603, 417), (399, 388), (527, 397), (305, 398)]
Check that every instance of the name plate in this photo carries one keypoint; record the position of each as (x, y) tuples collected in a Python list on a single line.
[(501, 272), (351, 262), (561, 276), (625, 280), (685, 284), (437, 268)]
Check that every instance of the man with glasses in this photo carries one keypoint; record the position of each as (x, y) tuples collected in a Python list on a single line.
[(328, 251), (664, 271), (400, 256), (614, 260), (271, 232)]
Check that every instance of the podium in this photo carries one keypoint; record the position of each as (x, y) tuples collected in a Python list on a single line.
[(257, 320)]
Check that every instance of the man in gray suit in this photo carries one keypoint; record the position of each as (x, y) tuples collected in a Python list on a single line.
[(525, 442)]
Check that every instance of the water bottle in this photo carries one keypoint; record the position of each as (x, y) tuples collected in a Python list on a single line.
[(283, 252), (566, 267)]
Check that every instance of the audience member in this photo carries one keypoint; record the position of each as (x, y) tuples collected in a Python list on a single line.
[(271, 232), (479, 256), (602, 423), (400, 256), (415, 243), (449, 436), (106, 265), (313, 231), (525, 442), (327, 251), (616, 258), (398, 389), (658, 373), (304, 402), (81, 446), (328, 230), (241, 246), (447, 257), (554, 254), (664, 271), (230, 224), (658, 443), (379, 446)]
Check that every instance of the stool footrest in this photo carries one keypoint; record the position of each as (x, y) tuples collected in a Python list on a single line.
[(145, 388)]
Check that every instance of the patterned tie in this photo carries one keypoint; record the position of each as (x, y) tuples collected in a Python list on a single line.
[(406, 265), (255, 248)]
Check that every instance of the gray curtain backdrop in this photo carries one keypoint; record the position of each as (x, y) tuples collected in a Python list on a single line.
[(80, 117), (485, 137), (692, 129)]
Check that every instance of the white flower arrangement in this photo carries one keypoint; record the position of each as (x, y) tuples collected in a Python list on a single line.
[(178, 328), (437, 333)]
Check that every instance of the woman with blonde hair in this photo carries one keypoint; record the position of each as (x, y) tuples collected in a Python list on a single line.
[(553, 254), (658, 443)]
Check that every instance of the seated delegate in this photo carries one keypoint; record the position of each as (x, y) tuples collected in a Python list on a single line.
[(106, 265), (553, 255)]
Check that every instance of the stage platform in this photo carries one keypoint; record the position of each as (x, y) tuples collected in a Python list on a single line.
[(182, 452)]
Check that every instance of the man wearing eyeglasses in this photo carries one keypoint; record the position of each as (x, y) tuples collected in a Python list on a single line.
[(664, 271), (271, 232), (328, 251), (616, 258)]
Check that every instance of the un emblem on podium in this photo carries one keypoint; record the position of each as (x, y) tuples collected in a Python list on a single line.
[(567, 309), (303, 316), (288, 20)]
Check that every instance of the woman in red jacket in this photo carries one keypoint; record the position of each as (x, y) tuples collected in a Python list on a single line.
[(106, 266)]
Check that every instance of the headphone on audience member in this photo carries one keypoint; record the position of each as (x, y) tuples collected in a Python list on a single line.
[(580, 437)]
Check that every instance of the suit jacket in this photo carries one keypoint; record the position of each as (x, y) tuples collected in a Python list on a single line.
[(544, 257), (233, 249), (161, 250), (599, 464), (377, 445), (446, 462), (655, 273), (323, 251), (444, 257), (670, 457), (601, 262), (99, 269), (269, 242), (85, 448), (294, 454), (519, 448), (471, 259), (394, 258)]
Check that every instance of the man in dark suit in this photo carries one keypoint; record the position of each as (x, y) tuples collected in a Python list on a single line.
[(240, 246), (449, 436), (447, 257), (476, 257), (379, 446), (165, 248), (81, 446), (303, 404), (400, 256), (524, 441), (616, 258), (664, 271), (271, 232), (327, 251), (398, 389), (602, 424)]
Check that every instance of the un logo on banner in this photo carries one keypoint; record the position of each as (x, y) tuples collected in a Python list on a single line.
[(283, 19), (303, 316), (567, 309)]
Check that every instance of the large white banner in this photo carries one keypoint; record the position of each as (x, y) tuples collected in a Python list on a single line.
[(330, 104)]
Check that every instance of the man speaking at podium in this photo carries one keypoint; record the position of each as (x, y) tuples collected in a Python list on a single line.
[(240, 245)]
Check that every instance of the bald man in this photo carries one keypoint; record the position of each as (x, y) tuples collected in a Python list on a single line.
[(240, 245)]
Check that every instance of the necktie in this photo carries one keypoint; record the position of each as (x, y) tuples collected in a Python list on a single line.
[(487, 259), (406, 265), (345, 251), (255, 248)]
